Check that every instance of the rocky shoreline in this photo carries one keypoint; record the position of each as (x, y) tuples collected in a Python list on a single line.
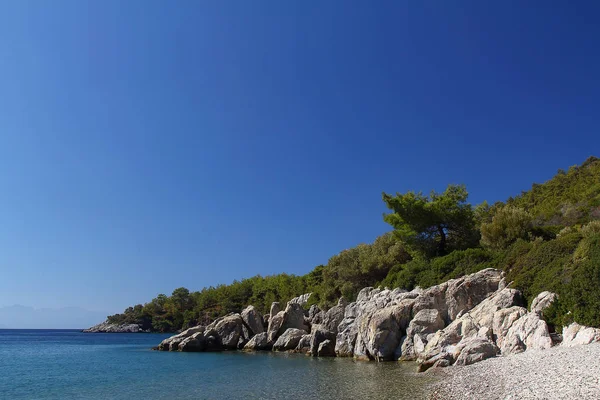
[(457, 323), (107, 327)]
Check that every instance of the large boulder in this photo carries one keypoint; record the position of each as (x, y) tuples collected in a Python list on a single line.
[(542, 301), (334, 316), (259, 342), (445, 340), (253, 319), (228, 329), (357, 316), (326, 349), (275, 309), (475, 349), (483, 313), (213, 341), (457, 296), (289, 339), (447, 344), (576, 335), (379, 336), (196, 342), (315, 315), (528, 332), (172, 343), (275, 324), (425, 322), (304, 344), (503, 320), (293, 318), (300, 300), (318, 336), (344, 343)]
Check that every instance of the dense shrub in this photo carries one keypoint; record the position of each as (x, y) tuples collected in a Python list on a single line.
[(507, 225), (461, 262), (541, 265), (425, 273), (569, 198), (364, 265), (580, 295)]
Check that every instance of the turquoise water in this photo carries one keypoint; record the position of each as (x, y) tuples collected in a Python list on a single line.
[(51, 364)]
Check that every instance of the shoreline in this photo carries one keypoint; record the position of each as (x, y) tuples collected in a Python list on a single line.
[(557, 373)]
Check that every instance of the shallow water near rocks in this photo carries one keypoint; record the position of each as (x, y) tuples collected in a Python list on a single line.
[(53, 364)]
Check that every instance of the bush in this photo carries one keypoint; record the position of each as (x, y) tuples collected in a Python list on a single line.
[(508, 224), (591, 229), (364, 265), (541, 265), (416, 272), (461, 262), (581, 298)]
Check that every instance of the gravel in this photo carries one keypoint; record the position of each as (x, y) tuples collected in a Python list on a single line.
[(558, 373)]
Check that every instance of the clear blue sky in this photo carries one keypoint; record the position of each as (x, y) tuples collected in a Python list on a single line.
[(147, 145)]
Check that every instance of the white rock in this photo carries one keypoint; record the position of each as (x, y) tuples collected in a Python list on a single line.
[(528, 332), (576, 335)]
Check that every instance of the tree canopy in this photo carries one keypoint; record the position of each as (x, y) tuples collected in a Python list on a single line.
[(432, 225)]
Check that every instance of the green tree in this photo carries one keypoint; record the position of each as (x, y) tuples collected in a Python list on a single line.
[(507, 225), (181, 298), (433, 225)]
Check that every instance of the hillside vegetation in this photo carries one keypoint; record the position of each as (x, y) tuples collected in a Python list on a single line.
[(547, 238)]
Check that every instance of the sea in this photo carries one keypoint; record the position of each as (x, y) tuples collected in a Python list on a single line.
[(68, 364)]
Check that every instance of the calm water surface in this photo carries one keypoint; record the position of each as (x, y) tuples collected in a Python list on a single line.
[(67, 364)]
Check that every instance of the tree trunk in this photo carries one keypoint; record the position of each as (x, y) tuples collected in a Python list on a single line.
[(442, 245)]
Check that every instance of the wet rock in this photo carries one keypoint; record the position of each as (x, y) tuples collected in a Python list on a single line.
[(172, 343), (326, 349), (319, 335), (304, 344), (259, 342), (289, 339), (228, 329)]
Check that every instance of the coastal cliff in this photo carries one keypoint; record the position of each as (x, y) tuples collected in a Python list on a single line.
[(459, 322)]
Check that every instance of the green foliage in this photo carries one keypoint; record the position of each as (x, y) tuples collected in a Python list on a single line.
[(582, 294), (435, 224), (184, 309), (462, 262), (537, 238), (541, 265), (571, 197), (425, 273), (591, 229), (410, 275), (364, 265), (507, 225), (344, 275)]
